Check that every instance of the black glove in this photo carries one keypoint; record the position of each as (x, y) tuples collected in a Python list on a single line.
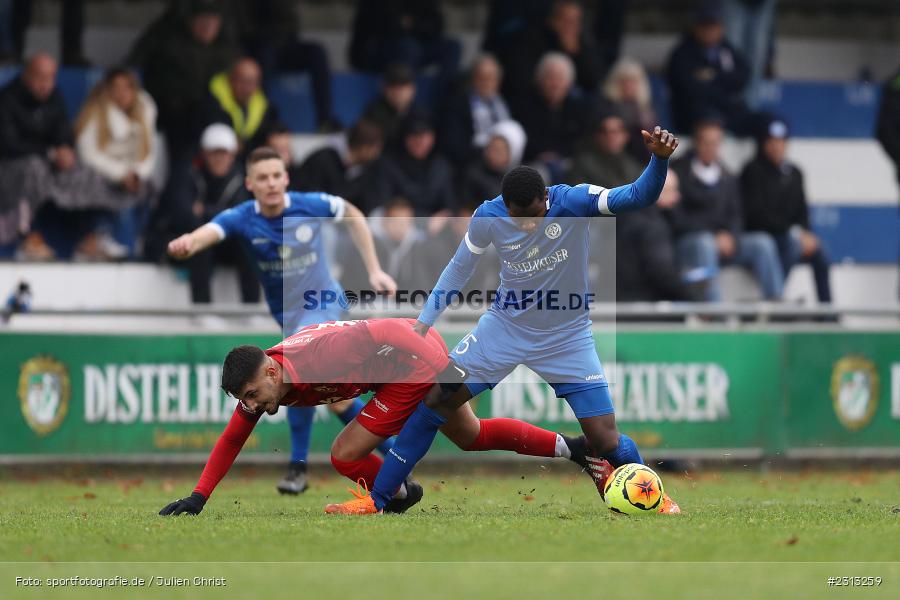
[(191, 505)]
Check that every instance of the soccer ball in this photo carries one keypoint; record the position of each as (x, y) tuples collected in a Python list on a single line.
[(633, 490)]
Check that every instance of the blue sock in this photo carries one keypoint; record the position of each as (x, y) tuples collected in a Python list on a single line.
[(625, 453), (300, 418), (411, 445), (355, 408)]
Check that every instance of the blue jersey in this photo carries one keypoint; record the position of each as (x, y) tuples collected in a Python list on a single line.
[(288, 253), (544, 273)]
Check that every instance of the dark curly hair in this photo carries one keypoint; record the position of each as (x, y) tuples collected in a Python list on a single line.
[(241, 366), (521, 186)]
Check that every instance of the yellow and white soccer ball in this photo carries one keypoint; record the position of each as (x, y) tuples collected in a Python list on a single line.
[(633, 489)]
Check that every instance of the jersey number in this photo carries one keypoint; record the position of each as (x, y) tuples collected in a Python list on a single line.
[(463, 345)]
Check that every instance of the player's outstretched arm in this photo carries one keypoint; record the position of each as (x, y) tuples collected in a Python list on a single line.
[(220, 460), (189, 244), (646, 189), (454, 277), (362, 238)]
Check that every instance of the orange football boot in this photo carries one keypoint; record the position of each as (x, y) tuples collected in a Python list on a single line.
[(362, 504), (669, 506)]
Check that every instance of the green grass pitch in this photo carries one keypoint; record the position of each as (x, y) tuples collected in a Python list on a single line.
[(527, 530)]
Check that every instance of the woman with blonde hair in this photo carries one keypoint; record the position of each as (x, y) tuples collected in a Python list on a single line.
[(627, 87), (116, 137)]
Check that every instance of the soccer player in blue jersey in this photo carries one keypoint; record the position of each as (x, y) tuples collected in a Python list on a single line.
[(541, 236), (281, 230)]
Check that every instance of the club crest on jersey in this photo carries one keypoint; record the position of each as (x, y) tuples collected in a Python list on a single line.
[(304, 234), (284, 252), (553, 230), (44, 391), (532, 252)]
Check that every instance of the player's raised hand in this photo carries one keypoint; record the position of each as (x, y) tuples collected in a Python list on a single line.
[(191, 505), (661, 143), (421, 328), (382, 282), (181, 247)]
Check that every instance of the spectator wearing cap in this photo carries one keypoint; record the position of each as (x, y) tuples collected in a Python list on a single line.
[(551, 114), (647, 269), (237, 99), (391, 107), (350, 168), (627, 89), (216, 184), (481, 180), (468, 116), (561, 31), (410, 32), (708, 224), (708, 77), (417, 172), (602, 159), (774, 202)]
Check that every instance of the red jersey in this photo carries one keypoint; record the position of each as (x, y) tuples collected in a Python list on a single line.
[(333, 361)]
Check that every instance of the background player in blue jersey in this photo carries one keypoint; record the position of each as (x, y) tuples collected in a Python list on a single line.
[(281, 231), (541, 236)]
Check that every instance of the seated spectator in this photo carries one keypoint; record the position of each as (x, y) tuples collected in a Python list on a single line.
[(278, 138), (406, 31), (628, 89), (775, 203), (116, 137), (708, 226), (481, 181), (563, 31), (470, 113), (216, 184), (602, 160), (44, 185), (646, 268), (391, 107), (177, 64), (237, 99), (350, 168), (708, 78), (270, 31), (550, 113), (417, 172)]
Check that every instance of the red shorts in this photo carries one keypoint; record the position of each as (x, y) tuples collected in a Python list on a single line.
[(393, 403)]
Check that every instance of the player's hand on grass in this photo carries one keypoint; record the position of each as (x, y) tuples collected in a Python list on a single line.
[(382, 282), (181, 247), (191, 505), (421, 328), (660, 142)]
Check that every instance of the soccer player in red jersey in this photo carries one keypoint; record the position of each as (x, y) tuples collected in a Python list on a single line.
[(339, 360)]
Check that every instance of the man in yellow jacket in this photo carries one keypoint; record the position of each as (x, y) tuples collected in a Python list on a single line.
[(239, 101)]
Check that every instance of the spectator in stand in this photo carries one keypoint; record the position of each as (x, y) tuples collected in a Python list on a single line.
[(45, 188), (775, 203), (552, 116), (481, 180), (750, 26), (646, 267), (888, 127), (393, 105), (418, 172), (627, 88), (71, 27), (708, 78), (470, 113), (237, 99), (708, 225), (563, 31), (602, 159), (116, 137), (270, 30), (278, 138), (609, 26), (406, 31), (351, 168), (216, 184), (178, 59)]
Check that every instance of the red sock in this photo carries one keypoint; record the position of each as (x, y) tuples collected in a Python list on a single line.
[(365, 469), (516, 436)]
